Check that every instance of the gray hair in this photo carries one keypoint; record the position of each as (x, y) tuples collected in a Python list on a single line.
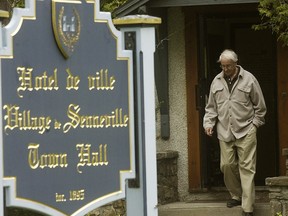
[(229, 55)]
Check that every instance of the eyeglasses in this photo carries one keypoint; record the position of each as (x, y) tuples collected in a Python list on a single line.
[(228, 67)]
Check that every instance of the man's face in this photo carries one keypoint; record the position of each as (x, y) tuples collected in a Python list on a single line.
[(228, 66)]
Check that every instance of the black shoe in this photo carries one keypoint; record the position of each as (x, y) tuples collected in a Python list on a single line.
[(232, 203), (247, 213)]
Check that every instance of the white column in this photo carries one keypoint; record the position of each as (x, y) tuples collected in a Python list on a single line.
[(143, 201)]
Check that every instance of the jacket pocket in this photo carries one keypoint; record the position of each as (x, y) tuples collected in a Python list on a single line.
[(243, 94), (219, 94)]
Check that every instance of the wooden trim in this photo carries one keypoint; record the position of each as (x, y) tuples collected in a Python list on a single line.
[(282, 63), (194, 163), (4, 14), (137, 20)]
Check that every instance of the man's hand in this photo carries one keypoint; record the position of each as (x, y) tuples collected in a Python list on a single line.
[(209, 131)]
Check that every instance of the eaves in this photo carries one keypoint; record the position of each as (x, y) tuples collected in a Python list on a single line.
[(133, 5)]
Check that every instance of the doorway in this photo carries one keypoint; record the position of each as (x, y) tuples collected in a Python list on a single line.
[(257, 53)]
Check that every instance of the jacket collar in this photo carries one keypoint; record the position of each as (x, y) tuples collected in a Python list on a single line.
[(221, 74)]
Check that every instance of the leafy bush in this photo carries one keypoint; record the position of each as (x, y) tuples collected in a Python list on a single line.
[(274, 16), (111, 5)]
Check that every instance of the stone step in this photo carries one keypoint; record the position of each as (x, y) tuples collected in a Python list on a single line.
[(207, 209)]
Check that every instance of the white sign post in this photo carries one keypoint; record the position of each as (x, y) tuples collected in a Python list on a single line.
[(142, 200)]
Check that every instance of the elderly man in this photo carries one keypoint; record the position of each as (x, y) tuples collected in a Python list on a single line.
[(236, 106)]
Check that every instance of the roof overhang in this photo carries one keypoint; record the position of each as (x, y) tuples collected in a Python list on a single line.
[(128, 7), (174, 3), (133, 5)]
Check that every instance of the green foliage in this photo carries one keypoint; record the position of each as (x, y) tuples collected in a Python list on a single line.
[(21, 4), (274, 16), (106, 5), (111, 5), (16, 3)]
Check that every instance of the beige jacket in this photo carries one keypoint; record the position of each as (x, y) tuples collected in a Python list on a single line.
[(234, 113)]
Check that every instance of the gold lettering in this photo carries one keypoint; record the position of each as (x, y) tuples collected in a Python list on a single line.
[(33, 155), (76, 195), (57, 125), (72, 82), (60, 197), (101, 81), (88, 158), (115, 119), (40, 82), (25, 79), (23, 120), (72, 114), (84, 155), (45, 160)]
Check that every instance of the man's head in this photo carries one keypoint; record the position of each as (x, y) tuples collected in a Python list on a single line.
[(228, 61)]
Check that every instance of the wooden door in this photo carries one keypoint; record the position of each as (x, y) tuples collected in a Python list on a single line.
[(257, 54), (282, 95)]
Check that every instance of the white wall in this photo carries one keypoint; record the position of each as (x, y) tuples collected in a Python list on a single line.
[(177, 95)]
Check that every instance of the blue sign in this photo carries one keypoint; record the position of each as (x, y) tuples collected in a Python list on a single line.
[(67, 108)]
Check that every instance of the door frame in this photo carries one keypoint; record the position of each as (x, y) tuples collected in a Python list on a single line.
[(195, 173), (282, 83), (193, 123)]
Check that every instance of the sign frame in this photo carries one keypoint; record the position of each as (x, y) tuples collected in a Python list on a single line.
[(6, 52)]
